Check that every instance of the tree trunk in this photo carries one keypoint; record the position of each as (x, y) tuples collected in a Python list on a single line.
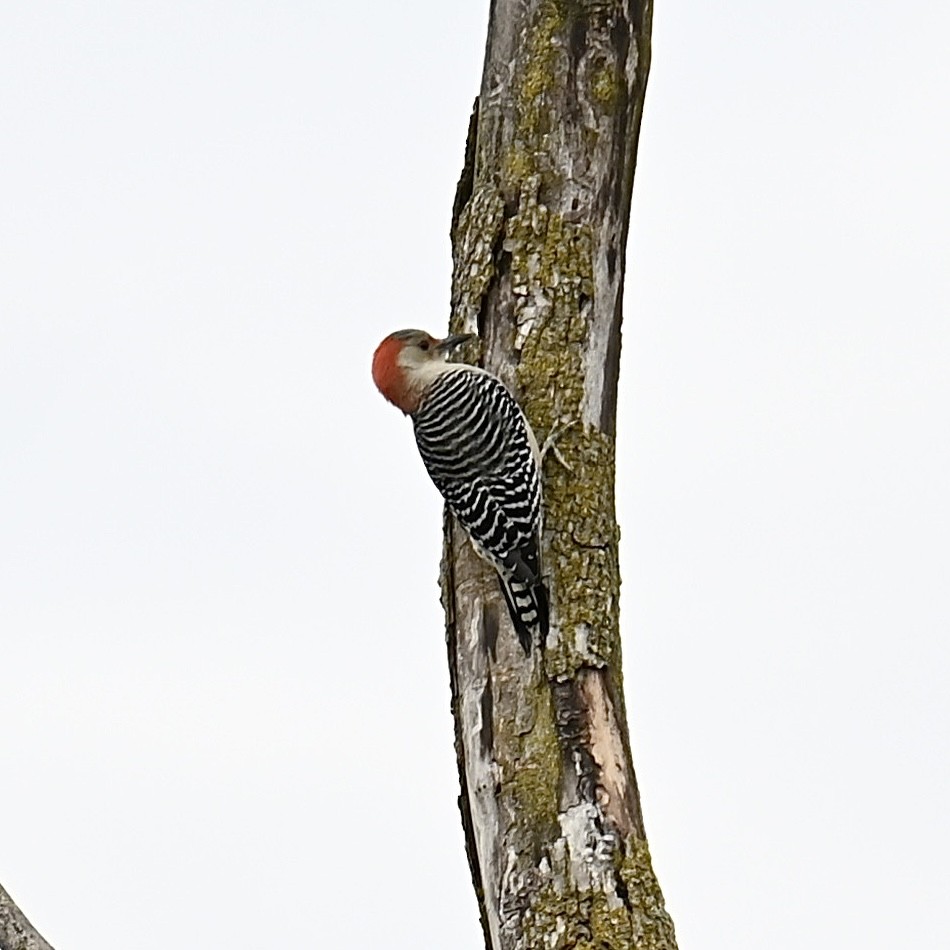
[(549, 799)]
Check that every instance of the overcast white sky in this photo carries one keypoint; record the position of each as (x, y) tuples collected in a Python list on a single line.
[(224, 708)]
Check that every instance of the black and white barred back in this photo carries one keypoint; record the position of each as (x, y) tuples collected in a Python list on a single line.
[(476, 446)]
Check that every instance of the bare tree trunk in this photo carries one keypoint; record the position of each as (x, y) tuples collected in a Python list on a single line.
[(549, 799), (16, 932)]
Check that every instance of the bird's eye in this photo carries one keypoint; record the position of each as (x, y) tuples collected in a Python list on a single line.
[(424, 345)]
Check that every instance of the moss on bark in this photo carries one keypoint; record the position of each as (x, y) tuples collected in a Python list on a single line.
[(635, 919)]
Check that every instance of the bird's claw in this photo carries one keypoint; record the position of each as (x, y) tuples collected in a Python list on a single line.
[(550, 443)]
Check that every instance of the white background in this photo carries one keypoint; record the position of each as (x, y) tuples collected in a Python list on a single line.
[(224, 712)]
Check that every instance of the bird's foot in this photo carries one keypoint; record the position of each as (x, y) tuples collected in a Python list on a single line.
[(550, 443)]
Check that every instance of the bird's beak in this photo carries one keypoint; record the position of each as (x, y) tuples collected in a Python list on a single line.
[(451, 342)]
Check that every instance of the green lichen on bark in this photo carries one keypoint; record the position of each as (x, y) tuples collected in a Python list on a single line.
[(533, 119), (546, 70), (605, 87), (563, 918), (582, 556), (551, 278), (645, 897), (531, 768), (479, 229)]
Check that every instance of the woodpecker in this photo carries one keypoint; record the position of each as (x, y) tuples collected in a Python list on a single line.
[(483, 457)]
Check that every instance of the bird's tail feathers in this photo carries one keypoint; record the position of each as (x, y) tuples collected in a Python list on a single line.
[(528, 606)]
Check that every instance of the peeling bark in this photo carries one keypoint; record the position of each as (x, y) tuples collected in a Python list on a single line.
[(549, 800), (16, 932)]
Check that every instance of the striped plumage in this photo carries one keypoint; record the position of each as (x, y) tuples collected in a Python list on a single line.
[(477, 448), (482, 456)]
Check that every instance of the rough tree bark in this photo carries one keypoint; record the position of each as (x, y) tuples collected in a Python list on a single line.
[(549, 799), (16, 932)]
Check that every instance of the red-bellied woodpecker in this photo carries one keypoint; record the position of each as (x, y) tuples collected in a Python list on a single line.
[(479, 450)]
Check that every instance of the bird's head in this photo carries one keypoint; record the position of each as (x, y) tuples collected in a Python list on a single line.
[(407, 362)]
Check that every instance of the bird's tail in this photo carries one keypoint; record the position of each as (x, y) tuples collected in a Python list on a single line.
[(528, 605)]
